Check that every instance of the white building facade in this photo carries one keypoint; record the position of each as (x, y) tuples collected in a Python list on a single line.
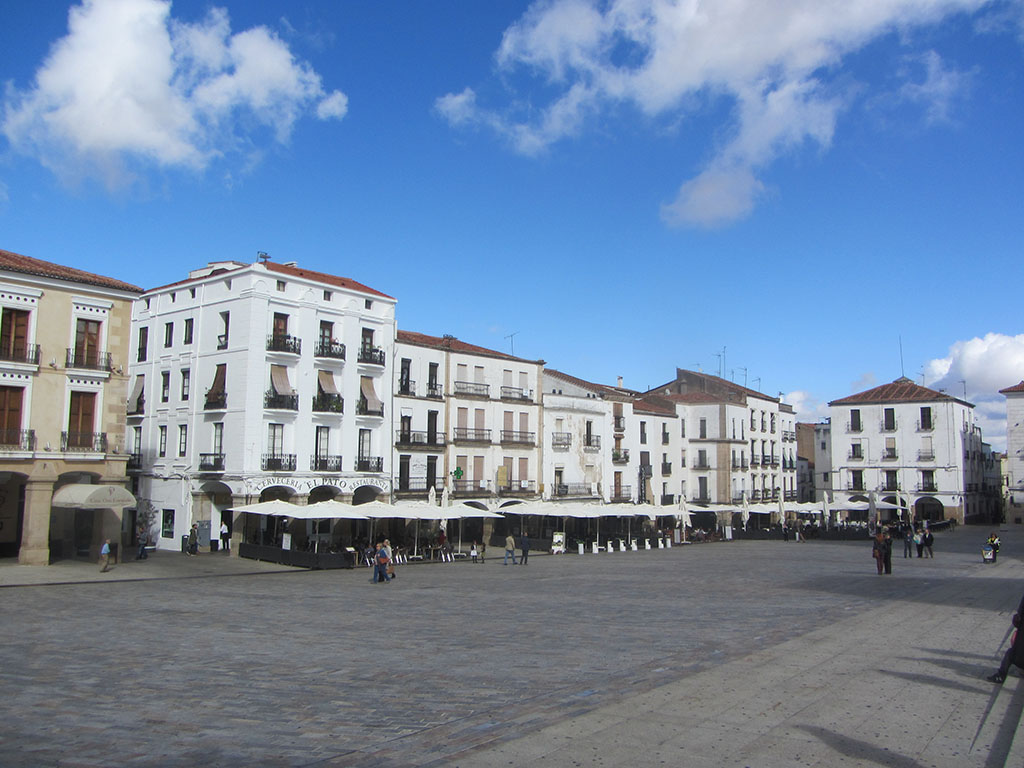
[(258, 381), (1014, 462)]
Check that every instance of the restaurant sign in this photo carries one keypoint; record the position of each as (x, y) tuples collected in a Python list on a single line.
[(256, 485)]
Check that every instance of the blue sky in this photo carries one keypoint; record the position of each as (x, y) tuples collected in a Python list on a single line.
[(625, 186)]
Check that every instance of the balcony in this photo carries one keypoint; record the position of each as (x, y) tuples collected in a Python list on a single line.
[(775, 494), (371, 355), (790, 495), (890, 454), (468, 435), (514, 437), (925, 426), (280, 402), (701, 464), (278, 462), (471, 487), (619, 423), (925, 487), (926, 455), (889, 486), (412, 439), (138, 408), (622, 493), (705, 499), (565, 490), (325, 463), (666, 468), (29, 354), (854, 427), (591, 443), (516, 393), (755, 495), (857, 455), (407, 387), (888, 426), (94, 442), (134, 462), (561, 440), (216, 400), (755, 461), (788, 436), (413, 485), (434, 389), (517, 487), (363, 408), (328, 403), (620, 456), (17, 439), (330, 348), (737, 498), (282, 342), (855, 486), (665, 438), (89, 360), (667, 499), (370, 464), (211, 462), (472, 389)]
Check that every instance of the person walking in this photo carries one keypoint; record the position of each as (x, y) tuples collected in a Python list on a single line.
[(474, 553), (1015, 653), (143, 541), (192, 546), (524, 543), (878, 551), (390, 567), (919, 542), (510, 549), (887, 555), (927, 540), (105, 556), (225, 537), (381, 568), (908, 542)]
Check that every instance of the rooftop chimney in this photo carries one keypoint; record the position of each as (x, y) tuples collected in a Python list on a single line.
[(620, 382)]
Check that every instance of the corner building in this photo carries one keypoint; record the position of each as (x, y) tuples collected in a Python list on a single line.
[(253, 382), (64, 341)]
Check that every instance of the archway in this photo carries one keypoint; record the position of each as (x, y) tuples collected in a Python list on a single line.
[(929, 508), (213, 507), (12, 512), (365, 493), (893, 515), (77, 532)]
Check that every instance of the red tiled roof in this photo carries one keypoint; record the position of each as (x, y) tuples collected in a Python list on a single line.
[(602, 389), (903, 390), (15, 262), (451, 344), (718, 380), (322, 277), (693, 397), (1013, 389), (650, 405)]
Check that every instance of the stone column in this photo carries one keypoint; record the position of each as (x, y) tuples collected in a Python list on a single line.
[(35, 534), (237, 532)]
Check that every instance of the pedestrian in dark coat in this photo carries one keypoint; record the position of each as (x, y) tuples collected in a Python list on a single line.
[(524, 543), (878, 551), (1015, 653)]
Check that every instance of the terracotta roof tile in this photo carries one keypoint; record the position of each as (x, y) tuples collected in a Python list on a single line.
[(602, 389), (15, 262), (451, 344), (1013, 389), (322, 277), (903, 390)]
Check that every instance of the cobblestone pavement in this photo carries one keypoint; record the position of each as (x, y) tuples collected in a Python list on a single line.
[(472, 664)]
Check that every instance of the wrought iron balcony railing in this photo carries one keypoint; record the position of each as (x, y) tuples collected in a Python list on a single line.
[(89, 360), (95, 442), (407, 387), (472, 389), (468, 435), (591, 443), (622, 493), (419, 439), (573, 489), (325, 463), (434, 389), (278, 462), (372, 355), (211, 462), (363, 408), (370, 464), (620, 457), (514, 487), (516, 393), (330, 348), (328, 403), (17, 439), (280, 402), (27, 354), (561, 439), (282, 342)]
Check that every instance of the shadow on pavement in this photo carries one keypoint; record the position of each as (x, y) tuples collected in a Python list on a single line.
[(860, 750)]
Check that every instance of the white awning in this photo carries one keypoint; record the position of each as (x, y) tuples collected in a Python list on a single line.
[(373, 403), (326, 379), (279, 380), (140, 383), (85, 496)]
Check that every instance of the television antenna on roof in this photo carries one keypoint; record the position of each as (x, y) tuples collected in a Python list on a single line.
[(263, 256), (512, 341)]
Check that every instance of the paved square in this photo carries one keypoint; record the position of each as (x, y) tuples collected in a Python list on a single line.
[(745, 653)]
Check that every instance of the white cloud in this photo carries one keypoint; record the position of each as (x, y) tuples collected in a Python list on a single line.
[(865, 382), (981, 366), (128, 85), (773, 61), (940, 87), (808, 408)]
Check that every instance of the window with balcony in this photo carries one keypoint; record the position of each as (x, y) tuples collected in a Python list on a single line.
[(82, 422), (925, 424), (225, 325), (856, 480), (855, 422), (433, 388), (11, 433), (889, 419), (406, 386), (216, 395), (86, 352), (856, 450), (928, 481)]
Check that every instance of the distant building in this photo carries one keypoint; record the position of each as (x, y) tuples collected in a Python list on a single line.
[(910, 446), (823, 460), (805, 462), (64, 341), (1014, 475), (253, 382)]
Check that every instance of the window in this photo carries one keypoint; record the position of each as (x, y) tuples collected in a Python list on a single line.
[(10, 415), (855, 425), (81, 419), (856, 480), (889, 419), (327, 295), (643, 432), (280, 325), (186, 383), (162, 449), (823, 445), (87, 343), (326, 333), (368, 304), (926, 416), (856, 450), (165, 386), (682, 422), (186, 337), (275, 439), (222, 339), (218, 438), (703, 429), (280, 286), (143, 344), (182, 439), (167, 525), (168, 334), (192, 292), (174, 297)]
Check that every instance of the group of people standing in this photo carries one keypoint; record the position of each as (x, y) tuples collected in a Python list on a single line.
[(881, 546), (510, 549)]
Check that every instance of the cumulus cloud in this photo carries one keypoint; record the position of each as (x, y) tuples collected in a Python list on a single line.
[(129, 85), (981, 366), (776, 62), (939, 88), (808, 408)]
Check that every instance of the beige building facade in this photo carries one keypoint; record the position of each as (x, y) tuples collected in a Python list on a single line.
[(64, 337)]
